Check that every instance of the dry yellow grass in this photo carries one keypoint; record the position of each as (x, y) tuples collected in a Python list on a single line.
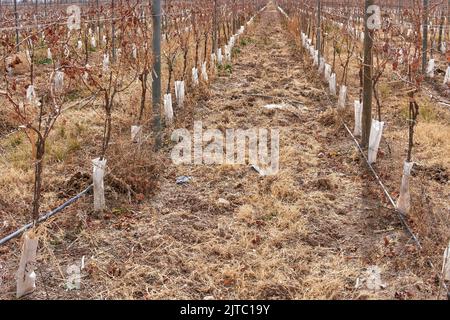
[(309, 232)]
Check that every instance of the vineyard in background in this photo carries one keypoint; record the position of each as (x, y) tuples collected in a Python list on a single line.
[(400, 66), (90, 91), (61, 59)]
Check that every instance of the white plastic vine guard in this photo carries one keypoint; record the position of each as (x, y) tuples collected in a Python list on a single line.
[(99, 186), (179, 93), (321, 65), (105, 62), (134, 51), (446, 264), (430, 68), (219, 56), (327, 72), (447, 76), (374, 140), (26, 277), (332, 84), (31, 94), (205, 72), (342, 97), (195, 76), (168, 110), (59, 80), (312, 51), (227, 53), (136, 134), (443, 47), (358, 118)]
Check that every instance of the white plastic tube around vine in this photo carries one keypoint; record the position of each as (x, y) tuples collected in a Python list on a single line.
[(312, 51), (31, 94), (179, 93), (374, 140), (59, 80), (106, 62), (227, 53), (213, 59), (316, 58), (446, 264), (204, 72), (232, 42), (26, 277), (219, 56), (321, 65), (430, 68), (168, 109), (327, 72), (342, 97), (404, 200), (99, 185), (134, 51), (195, 81), (447, 76), (136, 134), (49, 54), (93, 42), (332, 84), (358, 118), (79, 45)]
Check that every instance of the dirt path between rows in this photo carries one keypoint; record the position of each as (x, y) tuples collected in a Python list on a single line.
[(304, 233), (229, 233)]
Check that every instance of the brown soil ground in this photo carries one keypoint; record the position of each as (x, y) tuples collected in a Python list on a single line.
[(310, 232)]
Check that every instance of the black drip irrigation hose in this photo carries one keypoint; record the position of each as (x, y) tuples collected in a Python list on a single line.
[(386, 192), (46, 216)]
